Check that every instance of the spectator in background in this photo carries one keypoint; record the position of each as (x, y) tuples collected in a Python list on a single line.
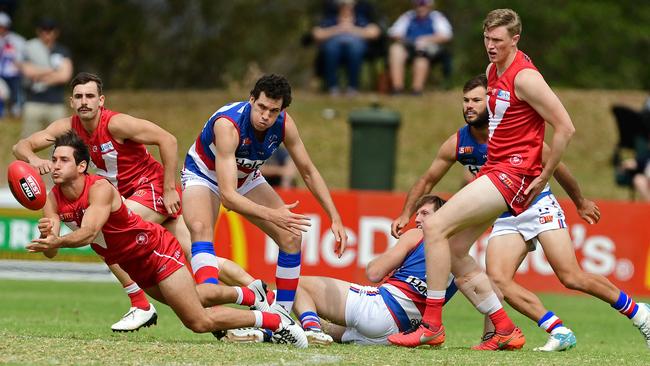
[(46, 67), (11, 47), (343, 36), (279, 170), (419, 35)]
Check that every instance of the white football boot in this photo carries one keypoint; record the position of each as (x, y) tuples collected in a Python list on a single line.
[(644, 324), (317, 337), (259, 289), (247, 335), (560, 340), (289, 332), (135, 319)]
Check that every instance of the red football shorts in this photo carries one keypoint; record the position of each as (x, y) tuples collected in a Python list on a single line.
[(166, 259), (511, 186), (149, 193)]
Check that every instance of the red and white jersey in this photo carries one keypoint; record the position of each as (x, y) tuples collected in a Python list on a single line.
[(125, 236), (126, 165), (516, 130)]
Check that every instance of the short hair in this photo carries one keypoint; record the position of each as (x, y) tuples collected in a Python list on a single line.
[(81, 152), (436, 201), (275, 87), (503, 18), (84, 78), (475, 82)]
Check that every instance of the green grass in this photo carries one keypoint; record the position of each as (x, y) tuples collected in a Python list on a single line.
[(64, 323), (426, 122)]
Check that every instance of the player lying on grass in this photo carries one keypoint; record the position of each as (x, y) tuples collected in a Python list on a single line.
[(363, 314), (151, 255)]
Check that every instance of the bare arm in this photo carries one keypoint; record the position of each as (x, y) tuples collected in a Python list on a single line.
[(531, 87), (50, 223), (124, 126), (382, 265), (443, 161), (314, 181), (60, 75), (100, 200), (226, 140), (27, 148)]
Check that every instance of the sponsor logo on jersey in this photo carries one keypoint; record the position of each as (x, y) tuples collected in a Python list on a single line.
[(516, 159), (139, 193), (94, 148), (503, 94), (246, 141), (466, 149), (506, 180), (249, 164), (142, 239), (545, 219), (66, 216), (106, 147), (418, 284)]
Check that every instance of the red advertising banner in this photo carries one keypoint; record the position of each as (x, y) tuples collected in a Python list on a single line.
[(618, 247)]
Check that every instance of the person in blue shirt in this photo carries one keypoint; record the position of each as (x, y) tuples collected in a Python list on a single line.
[(419, 36)]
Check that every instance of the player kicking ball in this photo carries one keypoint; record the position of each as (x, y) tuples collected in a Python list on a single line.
[(151, 255)]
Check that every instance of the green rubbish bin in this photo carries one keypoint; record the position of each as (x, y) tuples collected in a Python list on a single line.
[(372, 151)]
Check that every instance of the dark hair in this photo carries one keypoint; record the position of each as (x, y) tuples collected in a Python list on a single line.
[(81, 153), (436, 201), (475, 82), (275, 87), (84, 78)]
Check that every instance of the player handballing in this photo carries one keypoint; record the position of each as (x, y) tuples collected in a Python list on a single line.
[(117, 144), (151, 255)]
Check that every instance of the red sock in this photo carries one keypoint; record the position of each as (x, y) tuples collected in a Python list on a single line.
[(433, 312), (248, 297), (501, 321), (137, 296), (270, 296), (270, 321)]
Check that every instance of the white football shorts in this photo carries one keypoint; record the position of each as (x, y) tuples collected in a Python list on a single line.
[(189, 178), (367, 317), (544, 215)]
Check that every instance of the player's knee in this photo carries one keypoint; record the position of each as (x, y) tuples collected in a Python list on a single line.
[(197, 227), (198, 325), (432, 229), (290, 242), (572, 281)]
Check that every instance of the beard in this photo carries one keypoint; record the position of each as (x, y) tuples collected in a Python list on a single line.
[(482, 120)]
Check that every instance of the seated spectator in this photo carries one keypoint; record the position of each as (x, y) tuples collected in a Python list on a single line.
[(343, 37), (11, 48), (419, 35), (47, 68), (279, 170)]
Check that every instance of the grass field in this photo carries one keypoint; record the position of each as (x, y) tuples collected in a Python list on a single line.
[(66, 323), (426, 122)]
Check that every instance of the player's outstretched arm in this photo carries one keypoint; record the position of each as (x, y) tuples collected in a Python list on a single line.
[(444, 159), (26, 148), (391, 259), (587, 209), (100, 197), (124, 126), (226, 139), (48, 224), (531, 88), (314, 181)]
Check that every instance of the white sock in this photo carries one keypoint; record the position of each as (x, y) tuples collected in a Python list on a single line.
[(258, 318), (240, 295), (641, 314)]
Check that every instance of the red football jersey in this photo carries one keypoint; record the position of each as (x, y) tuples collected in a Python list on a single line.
[(127, 165), (125, 236), (516, 129)]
